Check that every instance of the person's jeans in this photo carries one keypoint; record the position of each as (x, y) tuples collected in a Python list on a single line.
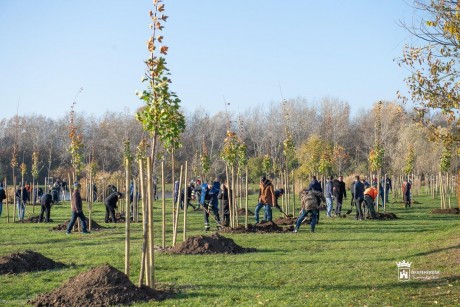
[(370, 205), (256, 214), (329, 206), (359, 211), (338, 207), (1, 208), (386, 195), (268, 215), (303, 214), (82, 218), (21, 210)]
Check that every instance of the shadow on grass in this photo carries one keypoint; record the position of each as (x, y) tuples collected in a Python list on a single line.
[(434, 251), (412, 284)]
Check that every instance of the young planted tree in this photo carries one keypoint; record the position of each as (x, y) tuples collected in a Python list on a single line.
[(91, 171), (128, 160), (290, 164), (234, 155), (377, 153), (76, 147), (23, 168), (444, 166), (35, 171), (161, 115), (205, 161)]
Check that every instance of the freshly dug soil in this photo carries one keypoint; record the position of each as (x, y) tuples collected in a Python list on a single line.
[(33, 219), (214, 244), (386, 216), (94, 225), (100, 286), (242, 211), (262, 227), (28, 261), (446, 211), (286, 221)]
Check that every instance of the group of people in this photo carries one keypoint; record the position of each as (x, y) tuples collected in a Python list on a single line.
[(363, 196)]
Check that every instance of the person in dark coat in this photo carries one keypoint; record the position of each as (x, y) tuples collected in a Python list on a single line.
[(224, 196), (407, 185), (22, 197), (340, 192), (110, 206), (45, 202), (189, 189), (314, 185), (210, 202), (358, 192), (76, 205), (278, 194)]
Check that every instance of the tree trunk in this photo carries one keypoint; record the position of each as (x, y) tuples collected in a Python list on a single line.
[(185, 202), (150, 219), (246, 201), (127, 215), (144, 268), (163, 206), (176, 220), (6, 203)]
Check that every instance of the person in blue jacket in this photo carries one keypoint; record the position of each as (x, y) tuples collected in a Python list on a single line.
[(209, 200)]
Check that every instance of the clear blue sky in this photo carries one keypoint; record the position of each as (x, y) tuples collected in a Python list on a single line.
[(243, 50)]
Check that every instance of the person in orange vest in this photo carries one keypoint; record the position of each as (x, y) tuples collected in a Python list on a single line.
[(370, 194)]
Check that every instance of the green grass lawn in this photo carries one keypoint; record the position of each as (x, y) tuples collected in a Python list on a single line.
[(345, 262)]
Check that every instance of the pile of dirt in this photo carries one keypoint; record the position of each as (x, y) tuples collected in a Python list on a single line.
[(214, 244), (94, 225), (28, 261), (262, 227), (33, 219), (289, 220), (100, 286), (385, 216), (242, 211), (446, 211)]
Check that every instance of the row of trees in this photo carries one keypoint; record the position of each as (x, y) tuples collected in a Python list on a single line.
[(319, 133)]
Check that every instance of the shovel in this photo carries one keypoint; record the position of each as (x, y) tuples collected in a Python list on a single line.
[(281, 210)]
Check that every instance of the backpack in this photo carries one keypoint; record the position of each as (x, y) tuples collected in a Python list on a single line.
[(2, 194), (308, 200)]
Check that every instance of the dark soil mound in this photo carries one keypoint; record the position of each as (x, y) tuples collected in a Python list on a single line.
[(27, 261), (101, 286), (94, 225), (446, 211), (242, 211), (33, 219), (289, 220), (214, 244), (386, 216), (262, 227)]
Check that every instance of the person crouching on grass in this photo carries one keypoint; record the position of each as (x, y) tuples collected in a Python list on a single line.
[(110, 206), (310, 201), (370, 194), (76, 205)]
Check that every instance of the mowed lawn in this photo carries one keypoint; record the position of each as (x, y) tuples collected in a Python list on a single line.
[(345, 262)]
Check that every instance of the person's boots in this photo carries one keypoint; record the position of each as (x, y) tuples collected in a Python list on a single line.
[(206, 227)]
